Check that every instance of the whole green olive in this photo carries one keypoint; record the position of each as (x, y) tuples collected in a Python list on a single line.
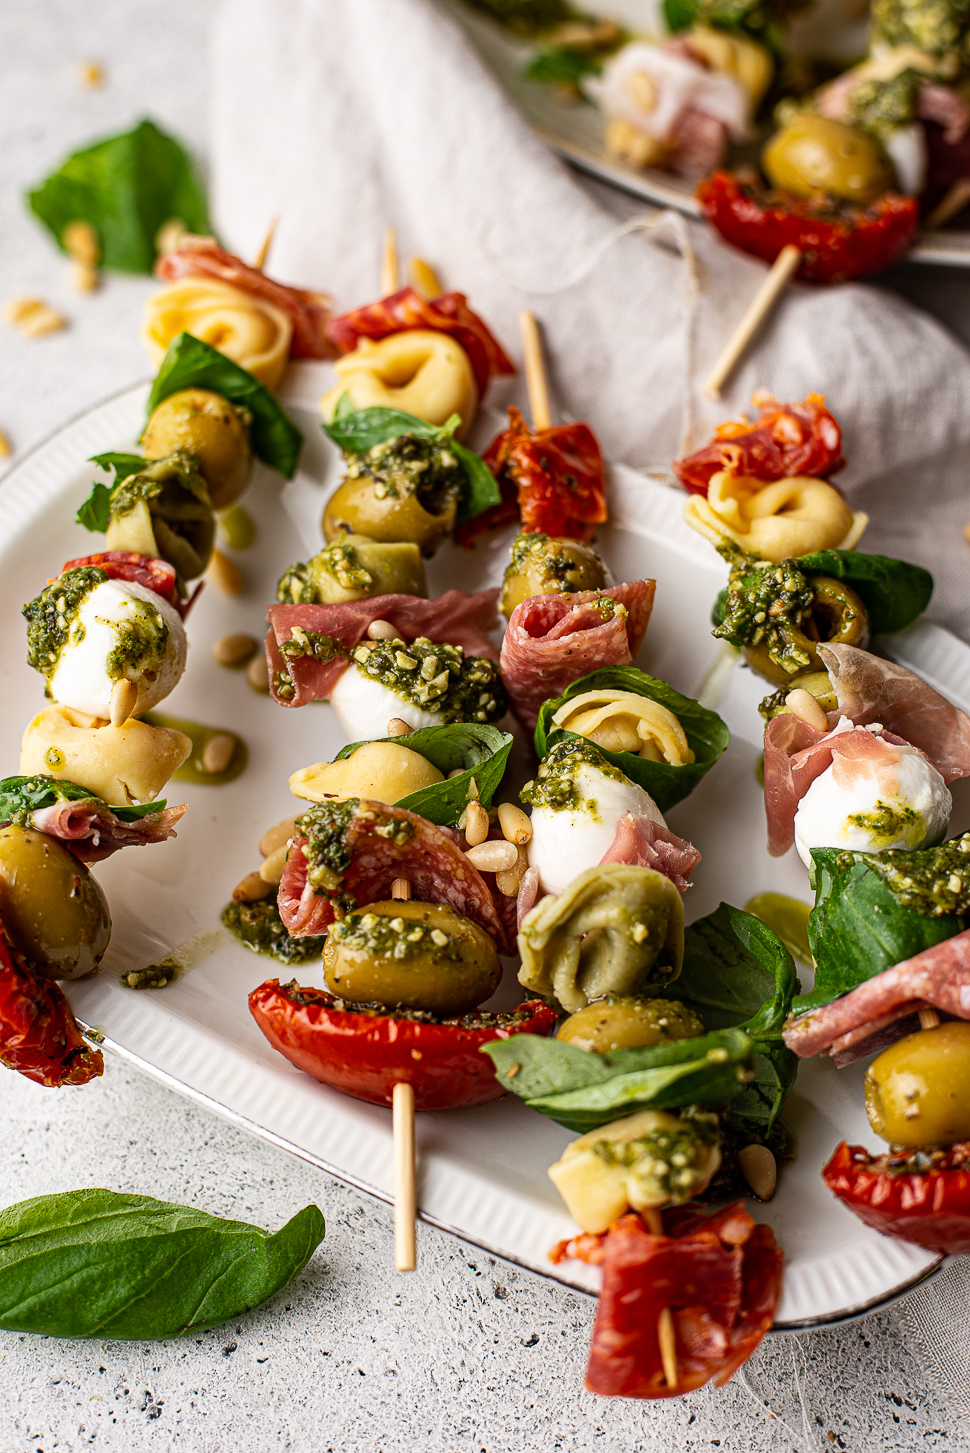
[(52, 908), (355, 568), (813, 154), (214, 430), (837, 617), (410, 955), (625, 1022), (359, 508), (918, 1090), (548, 565)]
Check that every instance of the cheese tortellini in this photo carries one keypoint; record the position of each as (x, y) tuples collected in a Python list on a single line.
[(778, 521), (379, 771), (420, 372), (129, 763), (251, 331), (622, 721)]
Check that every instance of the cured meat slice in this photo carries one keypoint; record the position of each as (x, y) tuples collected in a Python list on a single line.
[(552, 640), (93, 832), (938, 976), (309, 312), (947, 108), (377, 844), (648, 844), (785, 440), (407, 309), (457, 617), (156, 575)]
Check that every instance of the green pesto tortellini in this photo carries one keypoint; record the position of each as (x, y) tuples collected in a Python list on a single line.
[(355, 568), (164, 510)]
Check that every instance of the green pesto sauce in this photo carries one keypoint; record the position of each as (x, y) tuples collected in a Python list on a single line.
[(887, 823), (879, 107), (395, 938), (934, 882), (937, 26), (766, 604), (259, 927), (192, 769), (555, 784), (436, 677), (176, 473), (559, 565), (509, 1019), (298, 586), (666, 1160), (140, 642), (409, 465), (52, 616), (155, 976), (325, 826), (310, 643), (294, 586)]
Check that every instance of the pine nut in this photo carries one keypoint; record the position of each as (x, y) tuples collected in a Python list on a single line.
[(170, 236), (456, 772), (509, 883), (225, 574), (398, 728), (85, 278), (235, 650), (757, 1164), (251, 889), (81, 242), (218, 752), (124, 697), (401, 889), (257, 674), (277, 836), (91, 75), (514, 823), (6, 448), (383, 631), (271, 871), (33, 316), (493, 857), (803, 704), (476, 824)]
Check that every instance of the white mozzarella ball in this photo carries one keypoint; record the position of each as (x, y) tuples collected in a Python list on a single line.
[(906, 148), (894, 800), (364, 707), (567, 841), (119, 623), (651, 86)]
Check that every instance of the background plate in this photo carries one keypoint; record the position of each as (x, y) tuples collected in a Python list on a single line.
[(482, 1171)]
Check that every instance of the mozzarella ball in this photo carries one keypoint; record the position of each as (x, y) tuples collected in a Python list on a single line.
[(568, 840), (121, 629), (364, 707)]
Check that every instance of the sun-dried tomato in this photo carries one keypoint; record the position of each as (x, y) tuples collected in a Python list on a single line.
[(785, 440), (918, 1196), (39, 1036)]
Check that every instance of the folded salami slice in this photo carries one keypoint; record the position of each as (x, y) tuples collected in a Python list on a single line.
[(648, 844), (332, 631), (786, 440), (939, 977), (93, 832), (377, 844), (552, 640)]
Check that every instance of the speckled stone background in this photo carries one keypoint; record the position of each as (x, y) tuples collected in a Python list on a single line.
[(467, 1354)]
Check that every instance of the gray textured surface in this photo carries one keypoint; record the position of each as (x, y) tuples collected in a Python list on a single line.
[(467, 1353)]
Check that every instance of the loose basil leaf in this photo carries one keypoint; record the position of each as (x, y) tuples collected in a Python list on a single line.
[(190, 363), (126, 187), (95, 513), (20, 796), (894, 592), (357, 430), (583, 1090), (481, 751), (858, 927), (706, 734), (95, 1263)]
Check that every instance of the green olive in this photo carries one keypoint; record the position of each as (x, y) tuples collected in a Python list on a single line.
[(813, 154), (356, 568), (918, 1090), (358, 509), (410, 955), (546, 565), (622, 1022), (837, 617), (210, 427), (52, 908)]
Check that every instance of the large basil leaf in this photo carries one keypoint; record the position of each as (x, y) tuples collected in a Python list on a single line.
[(858, 927), (100, 1264), (95, 513), (190, 363), (20, 796), (706, 734), (126, 187), (894, 592), (357, 430), (480, 751), (583, 1090)]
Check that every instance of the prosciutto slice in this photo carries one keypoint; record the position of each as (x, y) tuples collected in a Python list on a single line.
[(648, 844), (552, 640), (309, 312), (406, 310), (785, 440), (385, 843), (457, 617), (93, 832), (938, 977)]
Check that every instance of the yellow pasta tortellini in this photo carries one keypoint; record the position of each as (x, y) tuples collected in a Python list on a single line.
[(129, 763), (379, 771), (251, 331), (622, 721), (786, 518), (420, 372)]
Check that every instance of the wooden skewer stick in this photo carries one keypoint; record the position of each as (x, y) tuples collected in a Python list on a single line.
[(263, 253), (390, 271), (955, 200), (928, 1019), (666, 1335), (402, 1112), (535, 371), (782, 270), (124, 695), (424, 278)]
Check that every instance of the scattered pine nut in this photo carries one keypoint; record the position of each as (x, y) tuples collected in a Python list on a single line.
[(493, 857), (6, 448), (476, 824), (383, 631), (33, 317), (251, 889), (170, 236), (271, 871), (514, 823), (456, 772), (398, 728), (401, 889), (91, 75), (668, 1346), (757, 1164), (225, 574), (803, 704), (509, 883), (235, 650), (257, 674), (124, 697), (276, 836), (218, 753)]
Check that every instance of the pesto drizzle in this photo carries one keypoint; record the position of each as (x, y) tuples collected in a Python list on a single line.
[(766, 604), (555, 785), (259, 926), (436, 677), (665, 1160), (407, 465), (934, 882), (395, 938), (52, 616)]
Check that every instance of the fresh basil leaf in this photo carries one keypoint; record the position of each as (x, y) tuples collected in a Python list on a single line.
[(858, 927), (564, 65), (583, 1090), (480, 751), (20, 796), (95, 513), (126, 187), (894, 592), (190, 363), (706, 734), (483, 492), (95, 1263), (123, 465)]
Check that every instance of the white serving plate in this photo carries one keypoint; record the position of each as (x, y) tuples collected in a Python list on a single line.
[(482, 1171), (575, 130)]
